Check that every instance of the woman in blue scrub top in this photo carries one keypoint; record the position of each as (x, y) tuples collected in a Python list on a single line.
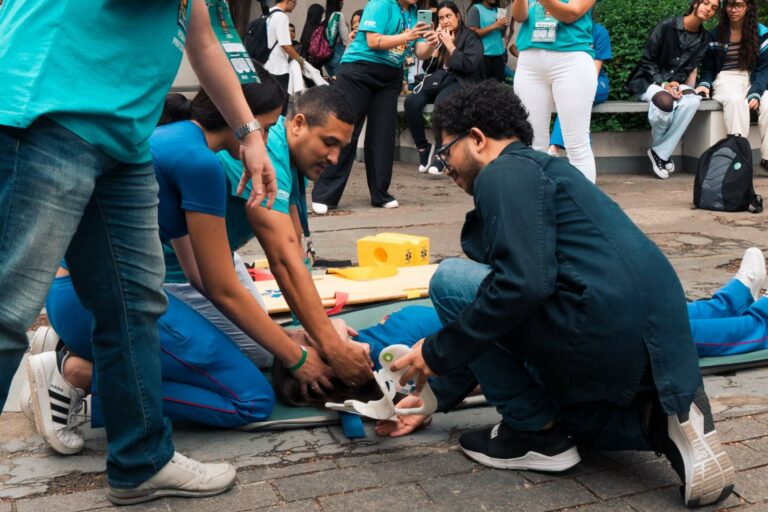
[(206, 377), (371, 77), (556, 71)]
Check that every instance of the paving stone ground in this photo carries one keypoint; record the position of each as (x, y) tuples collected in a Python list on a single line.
[(320, 470)]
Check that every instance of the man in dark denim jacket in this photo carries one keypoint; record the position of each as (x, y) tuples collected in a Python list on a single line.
[(572, 321)]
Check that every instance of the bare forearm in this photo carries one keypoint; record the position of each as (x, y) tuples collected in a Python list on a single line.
[(520, 10), (214, 70), (292, 53), (382, 42), (481, 32), (302, 297)]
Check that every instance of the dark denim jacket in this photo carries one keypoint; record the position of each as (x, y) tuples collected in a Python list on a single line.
[(575, 287)]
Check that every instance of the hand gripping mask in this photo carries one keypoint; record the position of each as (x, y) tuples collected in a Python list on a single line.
[(384, 408)]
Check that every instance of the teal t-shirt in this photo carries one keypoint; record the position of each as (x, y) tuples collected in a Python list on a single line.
[(100, 68), (493, 42), (384, 17), (570, 37), (288, 189)]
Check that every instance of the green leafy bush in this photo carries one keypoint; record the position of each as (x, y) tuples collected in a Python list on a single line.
[(629, 22)]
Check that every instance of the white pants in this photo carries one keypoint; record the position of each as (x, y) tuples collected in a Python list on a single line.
[(730, 88), (197, 301), (566, 82)]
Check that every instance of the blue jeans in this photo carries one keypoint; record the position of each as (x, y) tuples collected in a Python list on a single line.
[(729, 323), (601, 96), (206, 378), (511, 384), (667, 128), (59, 194)]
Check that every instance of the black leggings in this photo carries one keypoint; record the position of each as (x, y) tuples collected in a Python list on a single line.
[(414, 109), (372, 90), (494, 67)]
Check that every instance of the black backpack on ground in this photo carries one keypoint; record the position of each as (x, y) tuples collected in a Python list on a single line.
[(256, 42), (724, 178)]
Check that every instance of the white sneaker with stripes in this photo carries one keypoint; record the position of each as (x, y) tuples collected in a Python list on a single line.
[(55, 404)]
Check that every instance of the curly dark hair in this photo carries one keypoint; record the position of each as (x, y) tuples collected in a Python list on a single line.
[(490, 106), (750, 39)]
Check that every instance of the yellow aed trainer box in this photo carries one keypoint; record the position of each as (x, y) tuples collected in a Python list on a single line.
[(393, 249)]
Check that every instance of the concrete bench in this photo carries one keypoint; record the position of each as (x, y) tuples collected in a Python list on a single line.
[(625, 152)]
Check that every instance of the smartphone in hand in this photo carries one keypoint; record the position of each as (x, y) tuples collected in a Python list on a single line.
[(424, 16)]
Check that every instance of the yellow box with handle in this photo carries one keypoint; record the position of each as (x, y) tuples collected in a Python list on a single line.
[(395, 249)]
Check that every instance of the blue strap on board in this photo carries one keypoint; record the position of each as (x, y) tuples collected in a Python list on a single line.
[(352, 425)]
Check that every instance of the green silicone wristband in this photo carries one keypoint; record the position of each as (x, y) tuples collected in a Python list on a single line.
[(302, 360)]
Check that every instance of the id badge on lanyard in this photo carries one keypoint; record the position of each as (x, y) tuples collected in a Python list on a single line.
[(545, 25), (224, 29), (397, 52)]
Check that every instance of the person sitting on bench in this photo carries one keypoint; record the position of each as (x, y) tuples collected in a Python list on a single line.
[(572, 321)]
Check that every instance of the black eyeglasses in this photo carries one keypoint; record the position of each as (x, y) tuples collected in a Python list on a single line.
[(443, 153)]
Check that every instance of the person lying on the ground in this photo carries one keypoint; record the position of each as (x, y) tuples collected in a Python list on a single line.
[(572, 321), (193, 195), (735, 319)]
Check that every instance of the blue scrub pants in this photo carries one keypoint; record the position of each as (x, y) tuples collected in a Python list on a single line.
[(205, 377), (729, 323)]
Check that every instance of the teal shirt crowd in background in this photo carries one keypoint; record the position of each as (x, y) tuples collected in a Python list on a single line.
[(571, 37), (493, 41), (384, 17), (112, 93)]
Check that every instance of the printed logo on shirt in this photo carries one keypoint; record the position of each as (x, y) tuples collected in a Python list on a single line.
[(370, 23), (283, 195)]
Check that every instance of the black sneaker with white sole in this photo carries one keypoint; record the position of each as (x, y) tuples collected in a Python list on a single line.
[(501, 447), (691, 444), (658, 164)]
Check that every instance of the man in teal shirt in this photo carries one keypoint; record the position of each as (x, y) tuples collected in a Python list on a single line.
[(82, 84)]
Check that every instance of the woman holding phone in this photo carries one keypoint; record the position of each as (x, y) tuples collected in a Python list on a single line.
[(371, 76), (453, 58)]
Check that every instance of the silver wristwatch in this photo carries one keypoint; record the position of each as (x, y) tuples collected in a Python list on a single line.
[(249, 127)]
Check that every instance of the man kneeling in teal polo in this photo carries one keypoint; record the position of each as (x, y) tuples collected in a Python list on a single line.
[(572, 321)]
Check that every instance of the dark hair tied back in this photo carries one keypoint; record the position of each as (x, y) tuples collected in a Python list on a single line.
[(177, 107)]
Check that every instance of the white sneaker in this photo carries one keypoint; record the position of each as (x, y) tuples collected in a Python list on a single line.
[(670, 166), (422, 169), (320, 208), (45, 339), (434, 170), (752, 271), (25, 399), (391, 204), (55, 404), (180, 477), (81, 416)]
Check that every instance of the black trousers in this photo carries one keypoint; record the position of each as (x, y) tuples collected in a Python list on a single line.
[(414, 108), (494, 67), (284, 80), (372, 90)]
